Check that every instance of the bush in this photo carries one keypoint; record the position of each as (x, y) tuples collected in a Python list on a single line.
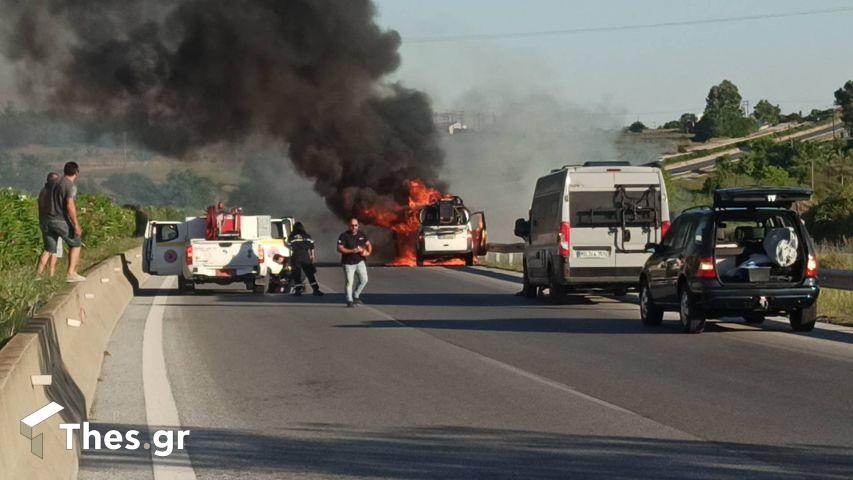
[(831, 219), (107, 228)]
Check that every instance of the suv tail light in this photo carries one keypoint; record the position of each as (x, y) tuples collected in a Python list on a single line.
[(707, 268), (261, 255), (189, 255), (811, 267), (664, 227), (565, 238)]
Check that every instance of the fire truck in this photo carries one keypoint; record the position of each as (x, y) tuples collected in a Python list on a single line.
[(223, 247)]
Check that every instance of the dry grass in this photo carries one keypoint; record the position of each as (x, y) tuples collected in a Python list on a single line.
[(835, 257), (835, 306)]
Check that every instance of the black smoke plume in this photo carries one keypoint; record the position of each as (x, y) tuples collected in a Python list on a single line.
[(185, 74)]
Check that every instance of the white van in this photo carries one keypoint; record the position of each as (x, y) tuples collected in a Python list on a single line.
[(589, 225)]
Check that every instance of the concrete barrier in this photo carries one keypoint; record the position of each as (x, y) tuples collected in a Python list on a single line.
[(509, 260), (57, 358)]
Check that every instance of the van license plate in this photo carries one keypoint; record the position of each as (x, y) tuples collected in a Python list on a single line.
[(446, 236), (592, 253)]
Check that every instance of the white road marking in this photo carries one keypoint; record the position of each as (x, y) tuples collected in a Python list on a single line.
[(160, 409)]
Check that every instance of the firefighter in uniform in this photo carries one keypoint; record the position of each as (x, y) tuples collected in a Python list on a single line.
[(302, 259)]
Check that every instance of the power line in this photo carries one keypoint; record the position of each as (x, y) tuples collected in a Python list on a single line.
[(645, 26)]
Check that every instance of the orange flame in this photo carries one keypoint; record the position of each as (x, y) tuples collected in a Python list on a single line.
[(403, 220)]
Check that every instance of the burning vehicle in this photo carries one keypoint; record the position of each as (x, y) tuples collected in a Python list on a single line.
[(432, 229), (448, 230)]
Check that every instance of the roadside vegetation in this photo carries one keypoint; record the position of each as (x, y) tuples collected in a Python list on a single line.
[(835, 306), (107, 229)]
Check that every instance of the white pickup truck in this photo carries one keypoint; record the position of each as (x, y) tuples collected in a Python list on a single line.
[(180, 249)]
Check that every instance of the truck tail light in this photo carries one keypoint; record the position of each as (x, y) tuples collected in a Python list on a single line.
[(707, 268), (811, 267), (565, 238), (664, 227), (189, 255)]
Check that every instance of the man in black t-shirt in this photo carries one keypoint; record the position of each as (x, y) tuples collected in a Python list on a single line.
[(354, 248), (45, 203)]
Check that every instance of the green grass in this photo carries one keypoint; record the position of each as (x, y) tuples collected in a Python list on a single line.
[(22, 292), (835, 306)]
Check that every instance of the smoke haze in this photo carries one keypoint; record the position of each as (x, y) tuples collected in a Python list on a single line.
[(187, 74)]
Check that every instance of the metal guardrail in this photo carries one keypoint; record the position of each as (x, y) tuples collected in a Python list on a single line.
[(507, 254), (841, 279)]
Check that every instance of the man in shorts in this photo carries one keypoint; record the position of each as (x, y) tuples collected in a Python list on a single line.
[(60, 220), (44, 204)]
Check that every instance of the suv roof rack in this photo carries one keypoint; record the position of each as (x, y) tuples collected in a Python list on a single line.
[(778, 197)]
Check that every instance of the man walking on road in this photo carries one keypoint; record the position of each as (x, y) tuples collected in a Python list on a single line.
[(354, 248), (60, 220)]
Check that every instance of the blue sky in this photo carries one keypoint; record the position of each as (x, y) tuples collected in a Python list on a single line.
[(653, 74)]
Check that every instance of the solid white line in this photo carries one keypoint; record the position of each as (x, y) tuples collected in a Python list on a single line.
[(160, 409)]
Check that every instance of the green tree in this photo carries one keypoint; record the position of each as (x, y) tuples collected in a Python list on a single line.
[(723, 116), (637, 127), (831, 219), (844, 99), (688, 122), (767, 113), (672, 125)]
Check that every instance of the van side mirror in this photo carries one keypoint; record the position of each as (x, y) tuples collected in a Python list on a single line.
[(522, 228)]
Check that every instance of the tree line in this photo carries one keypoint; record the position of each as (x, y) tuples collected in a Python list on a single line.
[(725, 114)]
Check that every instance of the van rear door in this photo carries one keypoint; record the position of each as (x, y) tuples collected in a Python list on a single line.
[(638, 195), (592, 223), (164, 246)]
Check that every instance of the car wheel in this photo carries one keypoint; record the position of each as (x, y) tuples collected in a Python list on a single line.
[(469, 259), (755, 318), (692, 319), (650, 314), (620, 292), (185, 286), (527, 289), (556, 291), (803, 319)]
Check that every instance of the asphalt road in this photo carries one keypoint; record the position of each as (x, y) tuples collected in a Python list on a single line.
[(446, 374)]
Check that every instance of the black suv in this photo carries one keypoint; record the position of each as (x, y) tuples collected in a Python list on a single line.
[(749, 255)]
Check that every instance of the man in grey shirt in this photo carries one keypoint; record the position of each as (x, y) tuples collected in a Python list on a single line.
[(59, 219)]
